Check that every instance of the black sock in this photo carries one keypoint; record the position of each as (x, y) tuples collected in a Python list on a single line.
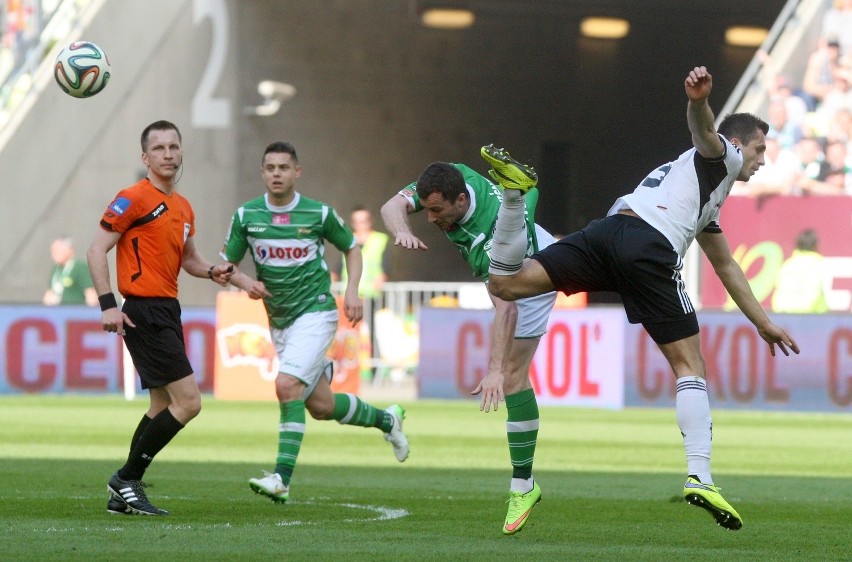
[(157, 435), (143, 423)]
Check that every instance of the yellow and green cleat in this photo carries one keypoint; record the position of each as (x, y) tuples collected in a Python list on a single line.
[(520, 506), (708, 497), (507, 171)]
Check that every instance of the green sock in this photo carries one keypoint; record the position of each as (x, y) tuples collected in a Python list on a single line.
[(522, 431), (351, 410), (291, 430)]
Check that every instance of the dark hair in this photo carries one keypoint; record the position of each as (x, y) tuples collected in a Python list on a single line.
[(280, 146), (443, 178), (743, 126), (158, 126), (807, 240)]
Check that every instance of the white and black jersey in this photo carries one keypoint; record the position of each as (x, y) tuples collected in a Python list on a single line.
[(683, 197)]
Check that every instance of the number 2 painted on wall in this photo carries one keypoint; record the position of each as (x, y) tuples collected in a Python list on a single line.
[(208, 111)]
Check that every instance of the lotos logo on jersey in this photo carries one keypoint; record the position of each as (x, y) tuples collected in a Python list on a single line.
[(287, 252), (120, 205)]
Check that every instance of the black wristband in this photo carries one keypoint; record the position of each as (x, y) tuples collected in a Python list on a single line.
[(107, 301), (210, 272)]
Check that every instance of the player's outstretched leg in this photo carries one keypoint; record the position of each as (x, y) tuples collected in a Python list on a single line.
[(520, 506), (395, 436), (708, 497), (507, 171)]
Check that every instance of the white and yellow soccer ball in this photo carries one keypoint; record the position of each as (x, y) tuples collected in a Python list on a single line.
[(82, 69)]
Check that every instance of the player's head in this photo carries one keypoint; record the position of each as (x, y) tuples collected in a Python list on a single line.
[(279, 170), (280, 147), (748, 133), (443, 194)]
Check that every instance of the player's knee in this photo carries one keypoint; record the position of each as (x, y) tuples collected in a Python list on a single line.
[(501, 287), (320, 409)]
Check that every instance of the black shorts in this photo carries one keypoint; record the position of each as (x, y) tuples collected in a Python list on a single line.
[(624, 254), (156, 343)]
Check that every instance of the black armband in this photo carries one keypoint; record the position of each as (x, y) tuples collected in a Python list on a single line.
[(210, 272), (107, 301)]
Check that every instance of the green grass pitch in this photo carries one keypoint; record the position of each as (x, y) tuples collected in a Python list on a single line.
[(611, 484)]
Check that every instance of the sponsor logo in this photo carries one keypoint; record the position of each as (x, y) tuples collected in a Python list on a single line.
[(256, 229), (281, 219), (248, 345), (407, 192), (120, 205)]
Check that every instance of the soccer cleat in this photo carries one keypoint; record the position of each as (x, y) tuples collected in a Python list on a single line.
[(520, 506), (708, 497), (270, 486), (395, 436), (132, 493), (116, 506), (507, 171)]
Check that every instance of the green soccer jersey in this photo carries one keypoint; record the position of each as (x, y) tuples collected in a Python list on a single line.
[(288, 246), (473, 234)]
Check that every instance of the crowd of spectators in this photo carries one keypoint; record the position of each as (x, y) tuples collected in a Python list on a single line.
[(809, 144)]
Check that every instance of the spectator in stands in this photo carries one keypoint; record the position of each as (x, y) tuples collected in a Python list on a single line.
[(811, 157), (837, 23), (800, 285), (838, 97), (834, 175), (840, 129), (775, 177), (786, 132), (819, 73), (70, 281), (777, 85)]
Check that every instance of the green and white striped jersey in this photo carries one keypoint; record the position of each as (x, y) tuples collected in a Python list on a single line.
[(288, 246), (476, 229)]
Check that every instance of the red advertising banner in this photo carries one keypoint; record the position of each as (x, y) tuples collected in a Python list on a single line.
[(741, 372), (579, 361), (64, 349), (762, 234)]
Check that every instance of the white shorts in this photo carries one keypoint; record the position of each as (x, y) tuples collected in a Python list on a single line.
[(534, 312), (533, 315), (302, 347)]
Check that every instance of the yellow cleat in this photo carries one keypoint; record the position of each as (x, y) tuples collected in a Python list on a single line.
[(520, 506), (708, 497), (507, 171)]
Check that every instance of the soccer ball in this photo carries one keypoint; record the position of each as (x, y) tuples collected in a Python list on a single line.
[(82, 69)]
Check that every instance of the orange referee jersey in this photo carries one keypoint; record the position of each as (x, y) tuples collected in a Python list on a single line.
[(154, 228)]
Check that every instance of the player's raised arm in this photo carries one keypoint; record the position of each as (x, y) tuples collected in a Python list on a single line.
[(699, 116), (395, 216)]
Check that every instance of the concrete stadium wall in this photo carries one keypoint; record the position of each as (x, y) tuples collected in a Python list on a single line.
[(378, 98)]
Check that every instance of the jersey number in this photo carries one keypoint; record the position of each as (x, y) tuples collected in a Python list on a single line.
[(655, 178)]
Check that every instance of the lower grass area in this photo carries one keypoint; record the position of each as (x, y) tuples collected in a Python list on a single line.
[(611, 484)]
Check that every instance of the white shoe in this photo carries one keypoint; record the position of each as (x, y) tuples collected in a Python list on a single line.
[(270, 486), (395, 436)]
